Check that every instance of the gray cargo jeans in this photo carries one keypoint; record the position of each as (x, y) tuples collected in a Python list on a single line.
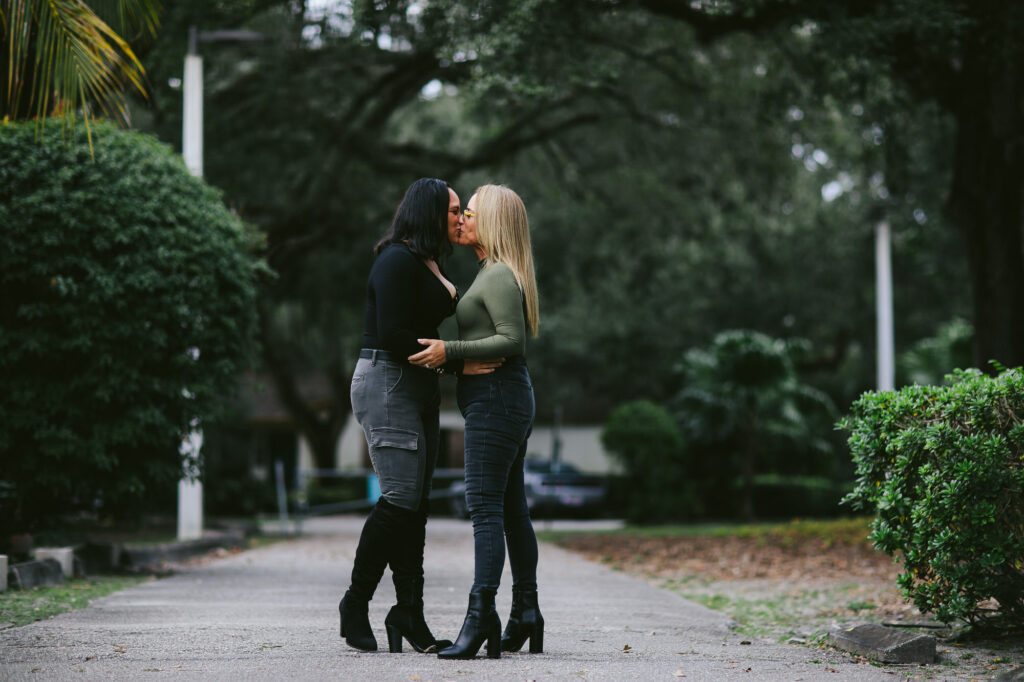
[(397, 405)]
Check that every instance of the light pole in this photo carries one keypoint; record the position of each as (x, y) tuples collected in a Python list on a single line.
[(190, 488), (883, 314)]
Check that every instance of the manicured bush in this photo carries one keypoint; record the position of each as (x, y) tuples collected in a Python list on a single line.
[(126, 313), (744, 411), (943, 468), (644, 437)]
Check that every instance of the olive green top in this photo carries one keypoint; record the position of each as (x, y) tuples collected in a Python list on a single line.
[(491, 320)]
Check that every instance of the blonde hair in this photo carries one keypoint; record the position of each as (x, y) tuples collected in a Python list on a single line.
[(504, 231)]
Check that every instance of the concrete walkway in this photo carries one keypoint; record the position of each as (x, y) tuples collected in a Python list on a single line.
[(271, 614)]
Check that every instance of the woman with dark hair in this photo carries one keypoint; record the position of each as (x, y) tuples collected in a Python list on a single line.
[(397, 406)]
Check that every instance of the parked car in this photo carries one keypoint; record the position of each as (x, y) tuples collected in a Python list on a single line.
[(552, 488)]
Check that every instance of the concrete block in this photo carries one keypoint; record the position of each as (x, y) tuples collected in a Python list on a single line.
[(886, 645), (3, 572), (64, 555), (151, 556), (29, 574), (99, 557)]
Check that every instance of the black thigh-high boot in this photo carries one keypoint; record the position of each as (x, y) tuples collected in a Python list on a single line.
[(524, 622), (481, 624), (405, 619), (367, 570)]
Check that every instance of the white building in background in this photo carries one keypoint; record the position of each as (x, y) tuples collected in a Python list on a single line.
[(274, 436), (581, 446)]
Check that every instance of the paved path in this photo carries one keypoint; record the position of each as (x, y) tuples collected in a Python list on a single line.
[(271, 614)]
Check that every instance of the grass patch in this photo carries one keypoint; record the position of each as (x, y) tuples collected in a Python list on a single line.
[(24, 607)]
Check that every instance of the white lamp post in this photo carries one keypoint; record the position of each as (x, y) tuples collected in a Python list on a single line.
[(190, 488), (883, 300)]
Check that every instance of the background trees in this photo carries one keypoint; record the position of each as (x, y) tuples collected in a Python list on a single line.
[(688, 168), (963, 58)]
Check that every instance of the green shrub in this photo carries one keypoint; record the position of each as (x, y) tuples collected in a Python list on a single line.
[(126, 314), (943, 468), (744, 410), (643, 436)]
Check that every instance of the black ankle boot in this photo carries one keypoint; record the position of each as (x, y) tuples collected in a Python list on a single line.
[(405, 619), (355, 624), (524, 622), (481, 624)]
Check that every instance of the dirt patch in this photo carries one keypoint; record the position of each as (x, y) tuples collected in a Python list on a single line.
[(795, 589)]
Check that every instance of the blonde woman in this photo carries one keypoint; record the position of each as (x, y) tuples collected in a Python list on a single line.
[(494, 317)]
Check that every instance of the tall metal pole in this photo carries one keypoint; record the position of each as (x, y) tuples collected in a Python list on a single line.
[(883, 288), (192, 118), (190, 487)]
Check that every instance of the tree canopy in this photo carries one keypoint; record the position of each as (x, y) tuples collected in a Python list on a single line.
[(688, 167)]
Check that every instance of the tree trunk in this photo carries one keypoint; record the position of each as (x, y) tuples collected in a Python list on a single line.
[(747, 464), (321, 428), (985, 202)]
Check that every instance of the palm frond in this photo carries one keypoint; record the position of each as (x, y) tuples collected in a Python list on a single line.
[(64, 59)]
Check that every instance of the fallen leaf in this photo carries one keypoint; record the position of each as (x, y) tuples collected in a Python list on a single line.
[(627, 649)]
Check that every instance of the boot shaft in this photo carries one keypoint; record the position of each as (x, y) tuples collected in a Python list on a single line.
[(408, 591)]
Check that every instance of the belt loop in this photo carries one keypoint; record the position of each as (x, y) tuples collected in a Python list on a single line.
[(373, 360)]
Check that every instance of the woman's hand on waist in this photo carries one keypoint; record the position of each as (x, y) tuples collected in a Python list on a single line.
[(433, 356), (471, 367)]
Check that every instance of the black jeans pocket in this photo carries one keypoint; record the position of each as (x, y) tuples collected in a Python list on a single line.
[(395, 456)]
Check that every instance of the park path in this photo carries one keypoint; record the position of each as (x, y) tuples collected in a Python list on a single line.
[(271, 614)]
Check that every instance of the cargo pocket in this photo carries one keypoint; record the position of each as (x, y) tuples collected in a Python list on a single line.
[(394, 453)]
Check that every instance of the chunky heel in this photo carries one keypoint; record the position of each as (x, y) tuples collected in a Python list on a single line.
[(524, 622), (394, 639), (537, 639), (494, 641)]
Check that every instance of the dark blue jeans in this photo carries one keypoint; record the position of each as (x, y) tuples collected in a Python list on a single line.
[(499, 410)]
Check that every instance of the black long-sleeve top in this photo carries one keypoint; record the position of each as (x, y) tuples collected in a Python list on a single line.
[(404, 302)]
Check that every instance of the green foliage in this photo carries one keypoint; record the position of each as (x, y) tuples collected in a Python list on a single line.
[(943, 467), (126, 315), (66, 58), (930, 359), (643, 436), (575, 106), (745, 411)]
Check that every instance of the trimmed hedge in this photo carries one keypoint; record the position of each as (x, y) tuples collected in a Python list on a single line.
[(126, 315), (645, 438), (943, 468)]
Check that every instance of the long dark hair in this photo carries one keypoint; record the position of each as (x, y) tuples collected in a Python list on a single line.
[(421, 220)]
